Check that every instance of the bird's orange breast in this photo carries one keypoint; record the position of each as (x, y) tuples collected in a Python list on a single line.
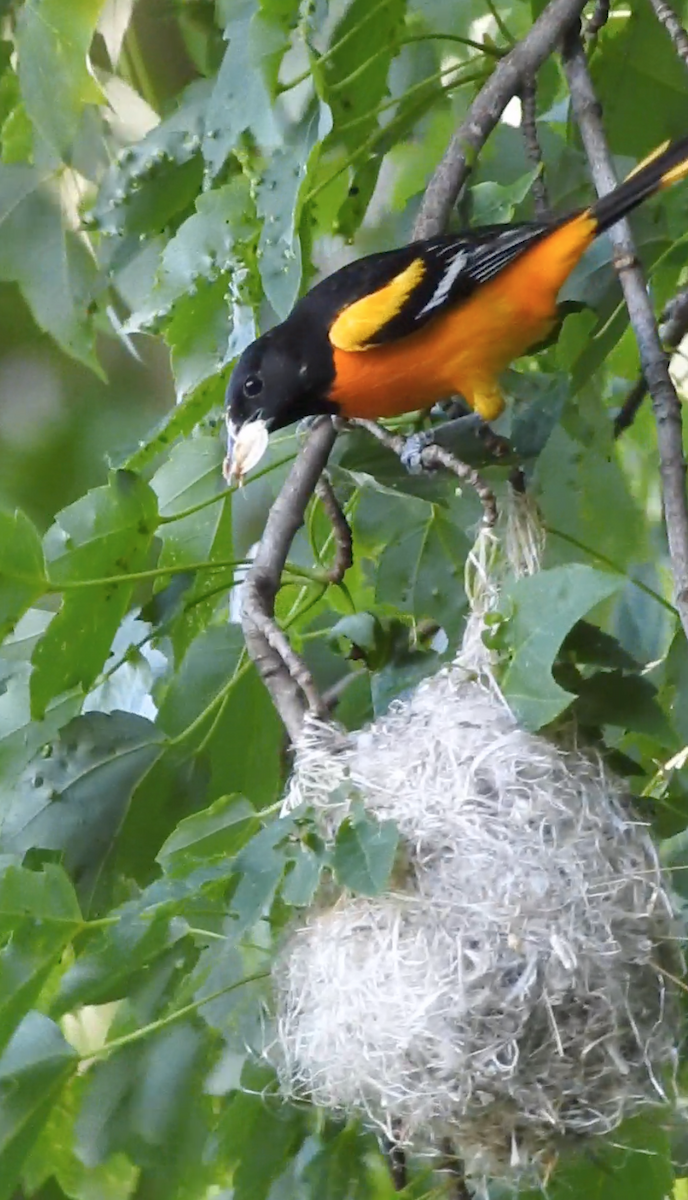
[(465, 348)]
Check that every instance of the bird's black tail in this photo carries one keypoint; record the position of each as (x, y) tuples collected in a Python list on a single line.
[(666, 165)]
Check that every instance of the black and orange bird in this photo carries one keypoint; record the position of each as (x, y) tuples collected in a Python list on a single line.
[(400, 330)]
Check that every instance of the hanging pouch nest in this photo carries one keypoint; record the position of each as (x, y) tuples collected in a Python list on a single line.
[(508, 992)]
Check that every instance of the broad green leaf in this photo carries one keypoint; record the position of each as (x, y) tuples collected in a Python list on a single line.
[(278, 203), (192, 475), (33, 1070), (338, 1170), (260, 865), (75, 797), (640, 82), (159, 1103), (364, 853), (20, 735), (106, 533), (352, 81), (203, 293), (629, 701), (421, 571), (158, 177), (45, 896), (39, 915), (22, 568), (179, 422), (259, 1139), (50, 263), (53, 41), (119, 958), (634, 1165), (240, 101), (53, 1160), (220, 829), (565, 594), (238, 1014)]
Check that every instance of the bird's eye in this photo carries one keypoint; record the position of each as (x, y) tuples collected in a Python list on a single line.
[(253, 386)]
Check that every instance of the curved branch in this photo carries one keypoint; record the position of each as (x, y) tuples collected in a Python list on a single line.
[(488, 106), (286, 676), (653, 360)]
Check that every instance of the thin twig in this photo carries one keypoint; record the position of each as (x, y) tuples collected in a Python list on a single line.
[(433, 456), (668, 18), (397, 1166), (487, 108), (286, 686), (597, 21), (344, 555), (453, 1166), (673, 327), (532, 144), (653, 359)]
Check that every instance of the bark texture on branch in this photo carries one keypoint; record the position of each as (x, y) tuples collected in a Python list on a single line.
[(653, 359), (488, 106), (287, 681)]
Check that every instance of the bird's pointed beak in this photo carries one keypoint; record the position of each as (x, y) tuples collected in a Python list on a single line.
[(246, 445)]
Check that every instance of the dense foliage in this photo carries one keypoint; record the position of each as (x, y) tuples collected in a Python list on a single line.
[(145, 877)]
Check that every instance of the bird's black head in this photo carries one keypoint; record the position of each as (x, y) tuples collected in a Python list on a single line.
[(279, 379)]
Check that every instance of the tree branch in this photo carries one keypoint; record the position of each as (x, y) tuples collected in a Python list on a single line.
[(532, 145), (432, 456), (487, 108), (344, 555), (598, 20), (672, 329), (668, 18), (286, 677), (653, 360)]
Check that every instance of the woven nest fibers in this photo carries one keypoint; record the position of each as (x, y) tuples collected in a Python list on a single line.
[(509, 994)]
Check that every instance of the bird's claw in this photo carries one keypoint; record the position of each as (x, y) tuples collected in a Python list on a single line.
[(411, 457)]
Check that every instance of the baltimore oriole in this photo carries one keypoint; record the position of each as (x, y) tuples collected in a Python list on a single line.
[(400, 330)]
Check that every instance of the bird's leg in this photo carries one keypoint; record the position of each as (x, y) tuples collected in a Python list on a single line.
[(431, 455)]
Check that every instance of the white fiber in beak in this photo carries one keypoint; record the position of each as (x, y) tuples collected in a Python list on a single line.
[(245, 448)]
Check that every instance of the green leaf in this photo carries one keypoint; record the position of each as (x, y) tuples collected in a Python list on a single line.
[(259, 1140), (202, 299), (41, 914), (21, 736), (53, 41), (75, 797), (45, 896), (50, 263), (33, 1071), (636, 1165), (220, 829), (352, 81), (108, 532), (261, 865), (629, 701), (240, 100), (22, 568), (166, 1069), (158, 177), (278, 203), (179, 422), (192, 475), (565, 594), (364, 854), (421, 571)]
